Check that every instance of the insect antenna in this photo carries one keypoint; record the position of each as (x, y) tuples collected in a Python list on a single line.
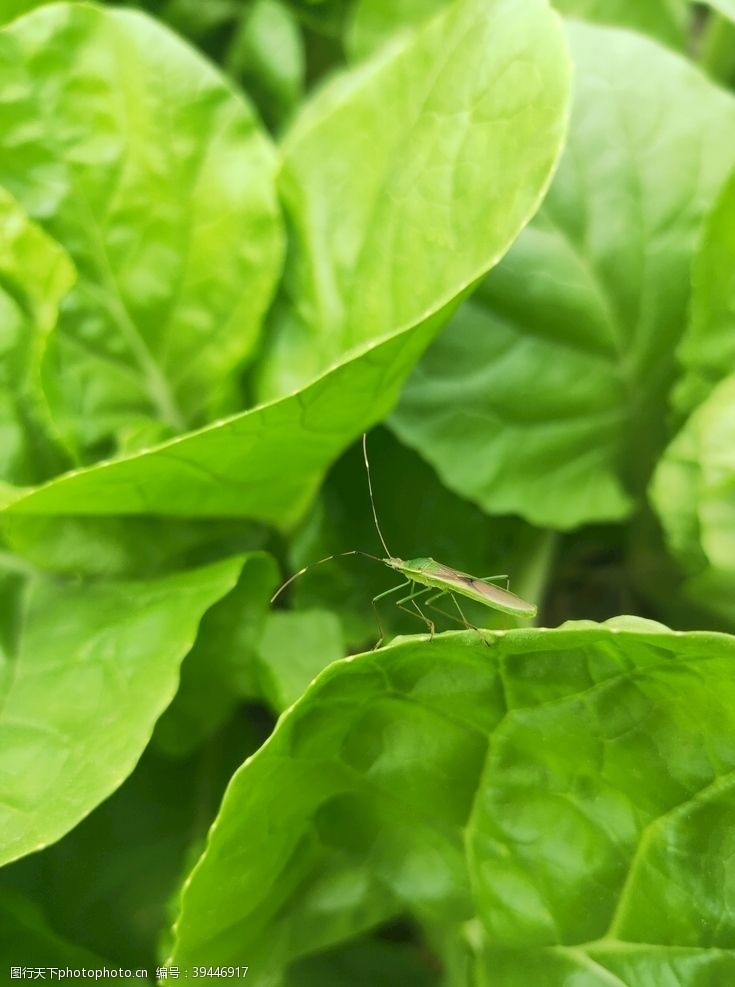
[(372, 499), (312, 565)]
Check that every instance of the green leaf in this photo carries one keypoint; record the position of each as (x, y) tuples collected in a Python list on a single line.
[(488, 788), (109, 113), (707, 350), (237, 467), (87, 669), (10, 9), (321, 16), (108, 883), (634, 965), (198, 20), (35, 275), (726, 7), (374, 22), (266, 56), (222, 668), (693, 491), (27, 941), (665, 20), (293, 649), (546, 396), (473, 130), (126, 546), (715, 48)]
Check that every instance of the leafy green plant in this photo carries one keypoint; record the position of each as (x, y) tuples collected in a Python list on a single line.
[(497, 236)]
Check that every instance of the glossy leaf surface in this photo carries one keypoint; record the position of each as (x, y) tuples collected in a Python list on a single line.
[(546, 396), (108, 111), (488, 789), (35, 275), (693, 491), (400, 240), (507, 124), (87, 669)]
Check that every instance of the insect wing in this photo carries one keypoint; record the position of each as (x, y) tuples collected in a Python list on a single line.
[(492, 596)]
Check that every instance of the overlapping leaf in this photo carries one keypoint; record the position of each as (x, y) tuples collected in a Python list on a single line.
[(35, 275), (502, 124), (107, 885), (707, 350), (9, 9), (693, 490), (400, 239), (546, 396), (488, 788), (373, 22), (665, 20), (292, 651), (223, 666), (87, 669), (267, 56), (138, 158), (726, 7)]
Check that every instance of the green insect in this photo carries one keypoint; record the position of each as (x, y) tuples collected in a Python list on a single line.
[(429, 581)]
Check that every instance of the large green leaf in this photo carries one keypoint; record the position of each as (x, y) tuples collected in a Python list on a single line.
[(128, 547), (373, 22), (489, 788), (268, 462), (387, 170), (693, 490), (546, 396), (134, 153), (108, 884), (707, 350), (35, 275), (87, 669)]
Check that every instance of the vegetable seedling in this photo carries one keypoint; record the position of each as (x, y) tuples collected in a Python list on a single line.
[(427, 576)]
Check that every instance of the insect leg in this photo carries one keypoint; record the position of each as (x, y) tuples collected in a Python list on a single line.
[(418, 613), (463, 621), (497, 579), (412, 599), (377, 612), (392, 590), (450, 616), (467, 624), (412, 596)]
